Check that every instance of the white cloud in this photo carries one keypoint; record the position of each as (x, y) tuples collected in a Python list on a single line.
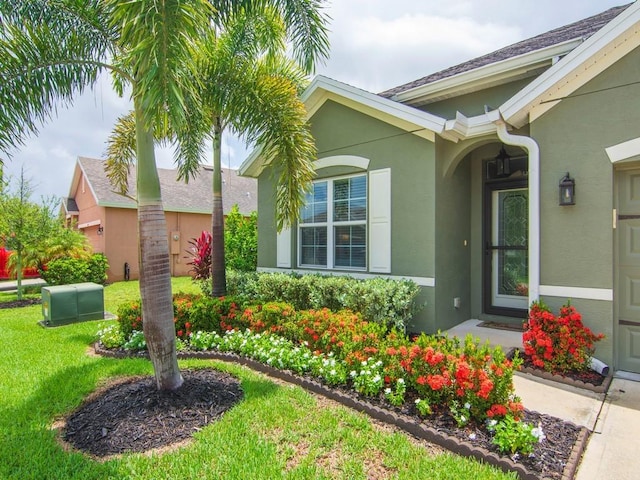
[(375, 45)]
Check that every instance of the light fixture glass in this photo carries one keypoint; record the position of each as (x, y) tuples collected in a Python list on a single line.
[(567, 189)]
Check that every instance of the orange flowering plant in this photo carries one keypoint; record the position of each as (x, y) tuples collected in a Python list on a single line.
[(470, 380), (559, 343)]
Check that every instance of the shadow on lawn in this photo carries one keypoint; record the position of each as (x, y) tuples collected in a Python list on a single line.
[(30, 447)]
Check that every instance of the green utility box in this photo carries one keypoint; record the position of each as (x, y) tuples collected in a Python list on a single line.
[(73, 303)]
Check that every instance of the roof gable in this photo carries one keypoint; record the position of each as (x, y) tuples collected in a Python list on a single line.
[(177, 196), (323, 89)]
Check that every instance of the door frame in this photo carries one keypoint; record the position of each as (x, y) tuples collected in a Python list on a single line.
[(618, 323), (487, 229)]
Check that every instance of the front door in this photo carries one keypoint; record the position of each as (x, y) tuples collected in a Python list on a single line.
[(506, 265), (628, 281)]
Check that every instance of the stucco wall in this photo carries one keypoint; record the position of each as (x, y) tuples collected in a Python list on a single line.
[(577, 242), (121, 240), (474, 103), (339, 130)]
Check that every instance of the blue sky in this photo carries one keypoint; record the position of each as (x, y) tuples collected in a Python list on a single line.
[(375, 45)]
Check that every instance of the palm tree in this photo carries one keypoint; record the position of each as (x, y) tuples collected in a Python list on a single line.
[(52, 50), (248, 84)]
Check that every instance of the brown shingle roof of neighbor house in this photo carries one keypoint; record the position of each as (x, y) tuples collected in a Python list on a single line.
[(177, 196), (580, 29), (69, 205)]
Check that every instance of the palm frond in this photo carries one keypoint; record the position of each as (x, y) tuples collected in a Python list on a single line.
[(43, 66), (158, 37), (121, 153)]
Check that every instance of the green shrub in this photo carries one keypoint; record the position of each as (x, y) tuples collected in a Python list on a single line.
[(98, 266), (391, 303), (64, 271)]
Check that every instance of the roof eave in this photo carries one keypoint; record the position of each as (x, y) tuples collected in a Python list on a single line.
[(322, 89), (493, 74)]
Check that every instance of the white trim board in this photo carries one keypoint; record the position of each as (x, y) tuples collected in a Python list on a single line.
[(605, 294), (420, 281), (623, 151)]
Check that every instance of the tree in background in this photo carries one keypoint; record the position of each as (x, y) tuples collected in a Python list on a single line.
[(241, 240), (34, 233), (19, 224)]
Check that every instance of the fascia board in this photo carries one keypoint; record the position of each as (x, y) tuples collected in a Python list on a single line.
[(560, 79), (321, 89), (75, 180), (383, 108), (88, 182), (462, 128), (494, 73)]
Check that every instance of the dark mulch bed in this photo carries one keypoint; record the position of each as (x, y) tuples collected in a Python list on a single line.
[(133, 416), (26, 302), (555, 458)]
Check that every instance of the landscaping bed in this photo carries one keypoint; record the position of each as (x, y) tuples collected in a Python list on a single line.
[(557, 457), (134, 416), (26, 302), (588, 380)]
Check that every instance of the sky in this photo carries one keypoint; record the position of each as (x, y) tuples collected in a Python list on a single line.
[(375, 45)]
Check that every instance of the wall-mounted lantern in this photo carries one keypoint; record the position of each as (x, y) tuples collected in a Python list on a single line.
[(503, 163), (567, 190), (100, 229)]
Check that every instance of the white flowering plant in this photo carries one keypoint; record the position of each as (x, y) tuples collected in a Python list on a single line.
[(395, 396), (514, 437), (369, 379), (423, 407)]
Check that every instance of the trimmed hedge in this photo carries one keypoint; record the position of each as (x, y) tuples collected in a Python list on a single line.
[(391, 303), (64, 271)]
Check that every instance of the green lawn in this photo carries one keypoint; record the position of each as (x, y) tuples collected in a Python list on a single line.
[(276, 432)]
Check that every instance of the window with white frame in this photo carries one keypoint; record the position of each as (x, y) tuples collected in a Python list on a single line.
[(333, 224)]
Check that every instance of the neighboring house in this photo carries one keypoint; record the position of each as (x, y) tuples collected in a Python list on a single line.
[(453, 180), (110, 220)]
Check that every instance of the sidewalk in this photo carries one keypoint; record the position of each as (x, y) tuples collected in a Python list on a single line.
[(12, 285), (614, 417)]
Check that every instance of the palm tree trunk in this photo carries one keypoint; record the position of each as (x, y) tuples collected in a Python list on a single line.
[(155, 278), (218, 278)]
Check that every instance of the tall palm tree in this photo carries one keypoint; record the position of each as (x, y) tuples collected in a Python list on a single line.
[(51, 50), (247, 83)]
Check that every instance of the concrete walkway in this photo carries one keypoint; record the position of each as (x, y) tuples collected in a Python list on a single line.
[(614, 417), (12, 285)]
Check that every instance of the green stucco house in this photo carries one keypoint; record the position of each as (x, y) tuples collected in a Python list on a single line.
[(506, 179)]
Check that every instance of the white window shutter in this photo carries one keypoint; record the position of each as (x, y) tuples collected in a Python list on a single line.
[(283, 248), (380, 220)]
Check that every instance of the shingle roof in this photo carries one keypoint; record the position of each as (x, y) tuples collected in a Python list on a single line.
[(177, 196), (580, 29), (69, 205)]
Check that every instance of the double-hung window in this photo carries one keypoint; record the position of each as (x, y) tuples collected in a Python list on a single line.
[(333, 224)]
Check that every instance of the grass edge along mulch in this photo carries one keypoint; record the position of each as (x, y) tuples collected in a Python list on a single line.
[(406, 423)]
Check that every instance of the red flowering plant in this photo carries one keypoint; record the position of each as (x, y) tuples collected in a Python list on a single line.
[(130, 318), (558, 343), (472, 379)]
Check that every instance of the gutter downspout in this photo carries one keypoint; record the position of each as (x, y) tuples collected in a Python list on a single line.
[(530, 145)]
